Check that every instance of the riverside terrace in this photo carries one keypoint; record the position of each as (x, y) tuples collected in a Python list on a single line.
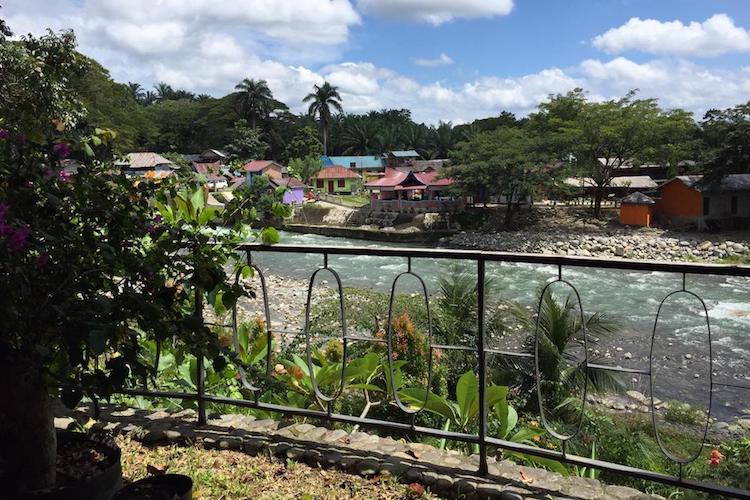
[(481, 435)]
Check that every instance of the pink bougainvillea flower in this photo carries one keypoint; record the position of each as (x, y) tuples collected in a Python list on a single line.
[(4, 134), (42, 260), (63, 176), (17, 240), (62, 150)]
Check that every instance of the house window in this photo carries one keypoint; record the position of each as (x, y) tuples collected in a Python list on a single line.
[(319, 183), (706, 205), (352, 164), (734, 205), (342, 183)]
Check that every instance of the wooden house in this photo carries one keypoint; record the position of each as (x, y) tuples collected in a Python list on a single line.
[(338, 180)]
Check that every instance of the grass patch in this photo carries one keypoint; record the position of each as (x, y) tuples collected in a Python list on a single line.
[(236, 475)]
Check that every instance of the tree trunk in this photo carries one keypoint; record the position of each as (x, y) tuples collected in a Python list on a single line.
[(324, 128), (598, 195), (28, 443)]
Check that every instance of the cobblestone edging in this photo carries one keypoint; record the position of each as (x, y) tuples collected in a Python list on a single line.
[(444, 472)]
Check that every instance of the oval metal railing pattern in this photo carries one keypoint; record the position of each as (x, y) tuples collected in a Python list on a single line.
[(481, 350)]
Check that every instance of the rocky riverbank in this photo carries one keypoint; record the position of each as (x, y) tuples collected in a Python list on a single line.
[(631, 244)]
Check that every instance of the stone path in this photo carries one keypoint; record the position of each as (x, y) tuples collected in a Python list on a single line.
[(445, 472)]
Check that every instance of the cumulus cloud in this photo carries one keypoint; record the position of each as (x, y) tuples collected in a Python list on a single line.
[(205, 56), (715, 36), (435, 12), (442, 60)]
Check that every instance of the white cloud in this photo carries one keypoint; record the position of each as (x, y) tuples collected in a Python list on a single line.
[(209, 57), (435, 12), (442, 60), (715, 36)]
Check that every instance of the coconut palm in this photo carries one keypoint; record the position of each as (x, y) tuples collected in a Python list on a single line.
[(322, 99), (149, 97), (136, 90), (164, 91), (560, 332), (254, 99)]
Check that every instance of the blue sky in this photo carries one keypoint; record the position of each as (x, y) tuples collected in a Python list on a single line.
[(445, 59)]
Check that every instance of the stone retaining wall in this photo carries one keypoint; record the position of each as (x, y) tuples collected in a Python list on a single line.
[(444, 472)]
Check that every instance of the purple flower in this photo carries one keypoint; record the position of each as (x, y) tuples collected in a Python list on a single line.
[(42, 260), (18, 238), (158, 219), (47, 173), (151, 229), (63, 176), (4, 134), (62, 150)]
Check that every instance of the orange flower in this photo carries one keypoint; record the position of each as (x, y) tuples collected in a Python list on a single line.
[(714, 458)]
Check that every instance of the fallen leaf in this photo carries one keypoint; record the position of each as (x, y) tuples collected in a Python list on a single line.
[(417, 489), (525, 478), (156, 470)]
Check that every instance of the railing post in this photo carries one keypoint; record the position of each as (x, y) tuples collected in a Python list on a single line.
[(201, 368), (482, 368)]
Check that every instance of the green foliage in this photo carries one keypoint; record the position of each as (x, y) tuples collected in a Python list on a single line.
[(683, 413), (727, 137), (305, 144), (246, 143), (503, 162), (322, 99), (305, 168)]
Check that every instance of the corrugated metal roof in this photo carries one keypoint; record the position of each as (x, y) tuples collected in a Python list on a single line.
[(624, 181), (637, 198), (145, 160), (259, 165), (410, 153), (731, 182), (337, 172), (371, 162)]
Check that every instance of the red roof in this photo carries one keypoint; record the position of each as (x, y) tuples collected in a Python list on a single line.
[(258, 165), (392, 180), (207, 168), (337, 172), (431, 179)]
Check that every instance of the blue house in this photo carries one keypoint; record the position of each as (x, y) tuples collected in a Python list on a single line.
[(369, 167)]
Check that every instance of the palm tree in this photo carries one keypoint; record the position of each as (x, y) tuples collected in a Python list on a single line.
[(254, 99), (164, 91), (321, 100), (136, 90), (560, 332), (359, 137), (149, 97)]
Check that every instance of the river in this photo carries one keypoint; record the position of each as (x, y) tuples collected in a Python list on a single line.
[(629, 298)]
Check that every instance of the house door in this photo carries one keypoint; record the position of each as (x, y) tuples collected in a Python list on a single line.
[(330, 186)]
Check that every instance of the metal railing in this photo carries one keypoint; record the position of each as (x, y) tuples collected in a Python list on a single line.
[(481, 350)]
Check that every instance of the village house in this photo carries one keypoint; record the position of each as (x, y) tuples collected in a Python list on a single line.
[(368, 167), (214, 155), (295, 190), (338, 180), (212, 173), (686, 202), (409, 191), (400, 159), (146, 165), (269, 168)]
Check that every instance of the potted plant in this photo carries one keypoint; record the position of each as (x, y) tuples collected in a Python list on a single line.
[(92, 263)]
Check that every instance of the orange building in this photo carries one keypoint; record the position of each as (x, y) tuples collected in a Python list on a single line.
[(686, 202), (636, 210)]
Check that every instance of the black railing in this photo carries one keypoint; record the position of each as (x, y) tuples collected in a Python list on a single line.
[(481, 350)]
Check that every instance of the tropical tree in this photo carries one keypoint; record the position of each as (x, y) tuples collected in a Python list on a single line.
[(322, 99), (505, 162), (305, 143), (149, 97), (246, 143), (136, 90), (254, 100), (164, 91), (560, 335), (727, 137), (305, 168)]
